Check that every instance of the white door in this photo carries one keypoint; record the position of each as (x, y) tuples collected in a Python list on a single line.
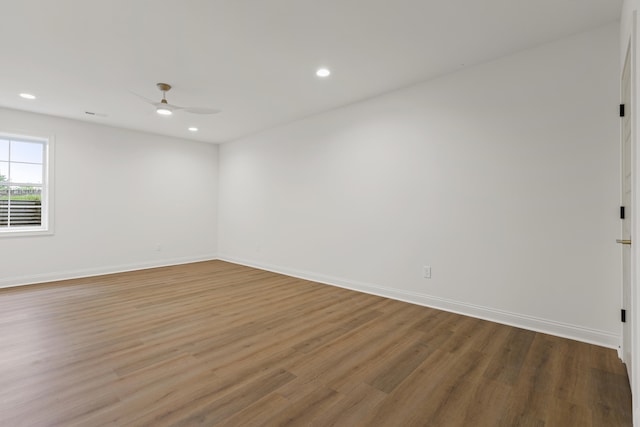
[(626, 202)]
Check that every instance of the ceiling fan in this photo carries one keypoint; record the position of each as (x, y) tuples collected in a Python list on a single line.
[(165, 109)]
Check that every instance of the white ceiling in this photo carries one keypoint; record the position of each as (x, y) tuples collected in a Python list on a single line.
[(255, 59)]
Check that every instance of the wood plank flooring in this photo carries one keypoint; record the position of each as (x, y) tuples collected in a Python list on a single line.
[(215, 343)]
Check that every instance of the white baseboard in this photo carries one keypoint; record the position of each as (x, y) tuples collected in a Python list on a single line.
[(98, 271), (551, 327)]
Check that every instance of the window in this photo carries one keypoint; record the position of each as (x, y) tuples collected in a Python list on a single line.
[(24, 185)]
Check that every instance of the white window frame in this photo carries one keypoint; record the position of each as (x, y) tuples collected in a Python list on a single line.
[(46, 223)]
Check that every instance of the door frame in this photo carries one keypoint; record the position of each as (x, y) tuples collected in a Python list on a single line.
[(626, 349), (631, 46)]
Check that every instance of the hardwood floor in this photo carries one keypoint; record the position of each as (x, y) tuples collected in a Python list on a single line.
[(214, 343)]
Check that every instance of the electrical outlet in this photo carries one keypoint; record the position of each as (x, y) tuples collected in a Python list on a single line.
[(427, 272)]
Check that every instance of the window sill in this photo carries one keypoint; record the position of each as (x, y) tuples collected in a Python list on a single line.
[(22, 232)]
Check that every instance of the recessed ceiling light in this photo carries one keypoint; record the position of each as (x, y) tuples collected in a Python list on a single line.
[(193, 129), (163, 111), (323, 72), (27, 96)]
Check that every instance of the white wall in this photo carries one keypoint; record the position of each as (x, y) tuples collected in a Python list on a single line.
[(503, 177), (118, 194)]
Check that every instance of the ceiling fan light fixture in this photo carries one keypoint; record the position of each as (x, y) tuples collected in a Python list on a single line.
[(163, 111)]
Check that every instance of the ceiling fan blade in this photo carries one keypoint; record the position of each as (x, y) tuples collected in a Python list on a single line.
[(144, 98), (200, 110)]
